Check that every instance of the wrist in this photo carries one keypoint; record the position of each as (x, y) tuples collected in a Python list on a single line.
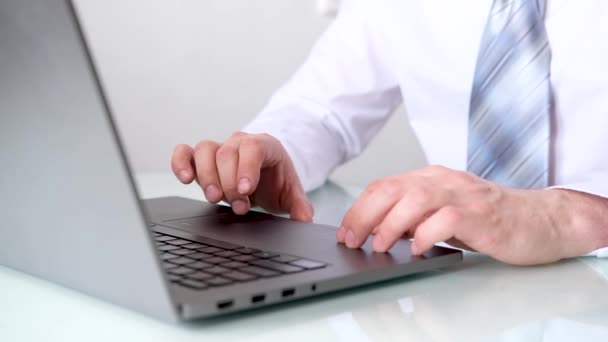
[(579, 220)]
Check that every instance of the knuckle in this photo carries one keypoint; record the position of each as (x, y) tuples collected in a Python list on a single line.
[(462, 177), (373, 187), (226, 152), (271, 140), (268, 137), (392, 182), (204, 145), (252, 142), (421, 194), (436, 169), (389, 187), (238, 134)]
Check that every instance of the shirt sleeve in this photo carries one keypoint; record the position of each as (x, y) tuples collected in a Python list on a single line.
[(336, 102)]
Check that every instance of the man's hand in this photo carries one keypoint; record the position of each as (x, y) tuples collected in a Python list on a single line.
[(245, 170), (437, 204)]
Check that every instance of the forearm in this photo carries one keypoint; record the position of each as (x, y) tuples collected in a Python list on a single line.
[(580, 219)]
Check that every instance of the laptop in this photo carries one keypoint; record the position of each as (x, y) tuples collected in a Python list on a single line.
[(71, 213)]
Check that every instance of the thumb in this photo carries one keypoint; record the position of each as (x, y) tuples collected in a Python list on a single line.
[(301, 209)]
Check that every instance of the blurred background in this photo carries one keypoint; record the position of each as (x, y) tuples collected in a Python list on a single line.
[(181, 71)]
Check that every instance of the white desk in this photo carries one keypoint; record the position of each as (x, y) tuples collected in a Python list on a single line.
[(480, 300)]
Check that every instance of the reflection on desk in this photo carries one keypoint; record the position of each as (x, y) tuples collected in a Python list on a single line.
[(479, 300)]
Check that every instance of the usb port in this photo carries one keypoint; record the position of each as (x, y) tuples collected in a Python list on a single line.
[(288, 292), (258, 298), (225, 304)]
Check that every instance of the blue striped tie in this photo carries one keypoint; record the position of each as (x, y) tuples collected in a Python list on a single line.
[(510, 112)]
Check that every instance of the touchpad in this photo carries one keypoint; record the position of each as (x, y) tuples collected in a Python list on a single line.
[(224, 218)]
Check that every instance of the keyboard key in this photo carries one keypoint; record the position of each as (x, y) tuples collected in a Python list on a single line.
[(217, 270), (194, 245), (262, 272), (195, 284), (159, 243), (168, 265), (217, 260), (218, 281), (174, 277), (164, 238), (199, 276), (246, 250), (168, 256), (182, 261), (234, 264), (284, 259), (276, 266), (199, 265), (227, 254), (166, 248), (221, 244), (244, 258), (199, 255), (181, 270), (182, 251), (308, 264), (210, 250), (178, 242), (239, 276), (265, 255), (155, 234)]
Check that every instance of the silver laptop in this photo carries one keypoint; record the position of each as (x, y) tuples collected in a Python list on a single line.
[(72, 215)]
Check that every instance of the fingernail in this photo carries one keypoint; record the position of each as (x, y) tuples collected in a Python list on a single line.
[(341, 234), (379, 245), (213, 193), (244, 186), (240, 207), (351, 240), (414, 248), (184, 175)]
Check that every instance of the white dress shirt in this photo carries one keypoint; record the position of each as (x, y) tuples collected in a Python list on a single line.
[(381, 53)]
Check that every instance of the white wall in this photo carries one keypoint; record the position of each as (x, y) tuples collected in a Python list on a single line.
[(181, 71)]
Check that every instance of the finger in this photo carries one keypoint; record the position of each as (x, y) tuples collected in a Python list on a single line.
[(257, 152), (300, 208), (252, 154), (369, 210), (181, 163), (227, 160), (440, 227), (206, 170), (417, 204)]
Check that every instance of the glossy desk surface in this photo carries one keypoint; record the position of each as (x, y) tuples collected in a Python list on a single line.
[(479, 300)]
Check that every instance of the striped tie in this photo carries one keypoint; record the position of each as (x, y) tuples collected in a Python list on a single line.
[(509, 119)]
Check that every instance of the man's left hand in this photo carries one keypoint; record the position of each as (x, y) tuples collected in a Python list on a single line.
[(437, 204)]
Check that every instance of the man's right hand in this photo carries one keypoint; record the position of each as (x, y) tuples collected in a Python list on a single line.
[(245, 170)]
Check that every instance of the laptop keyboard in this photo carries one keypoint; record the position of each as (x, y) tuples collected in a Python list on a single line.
[(201, 266)]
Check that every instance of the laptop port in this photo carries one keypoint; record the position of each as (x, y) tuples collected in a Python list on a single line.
[(288, 292), (313, 288), (225, 304), (258, 299)]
